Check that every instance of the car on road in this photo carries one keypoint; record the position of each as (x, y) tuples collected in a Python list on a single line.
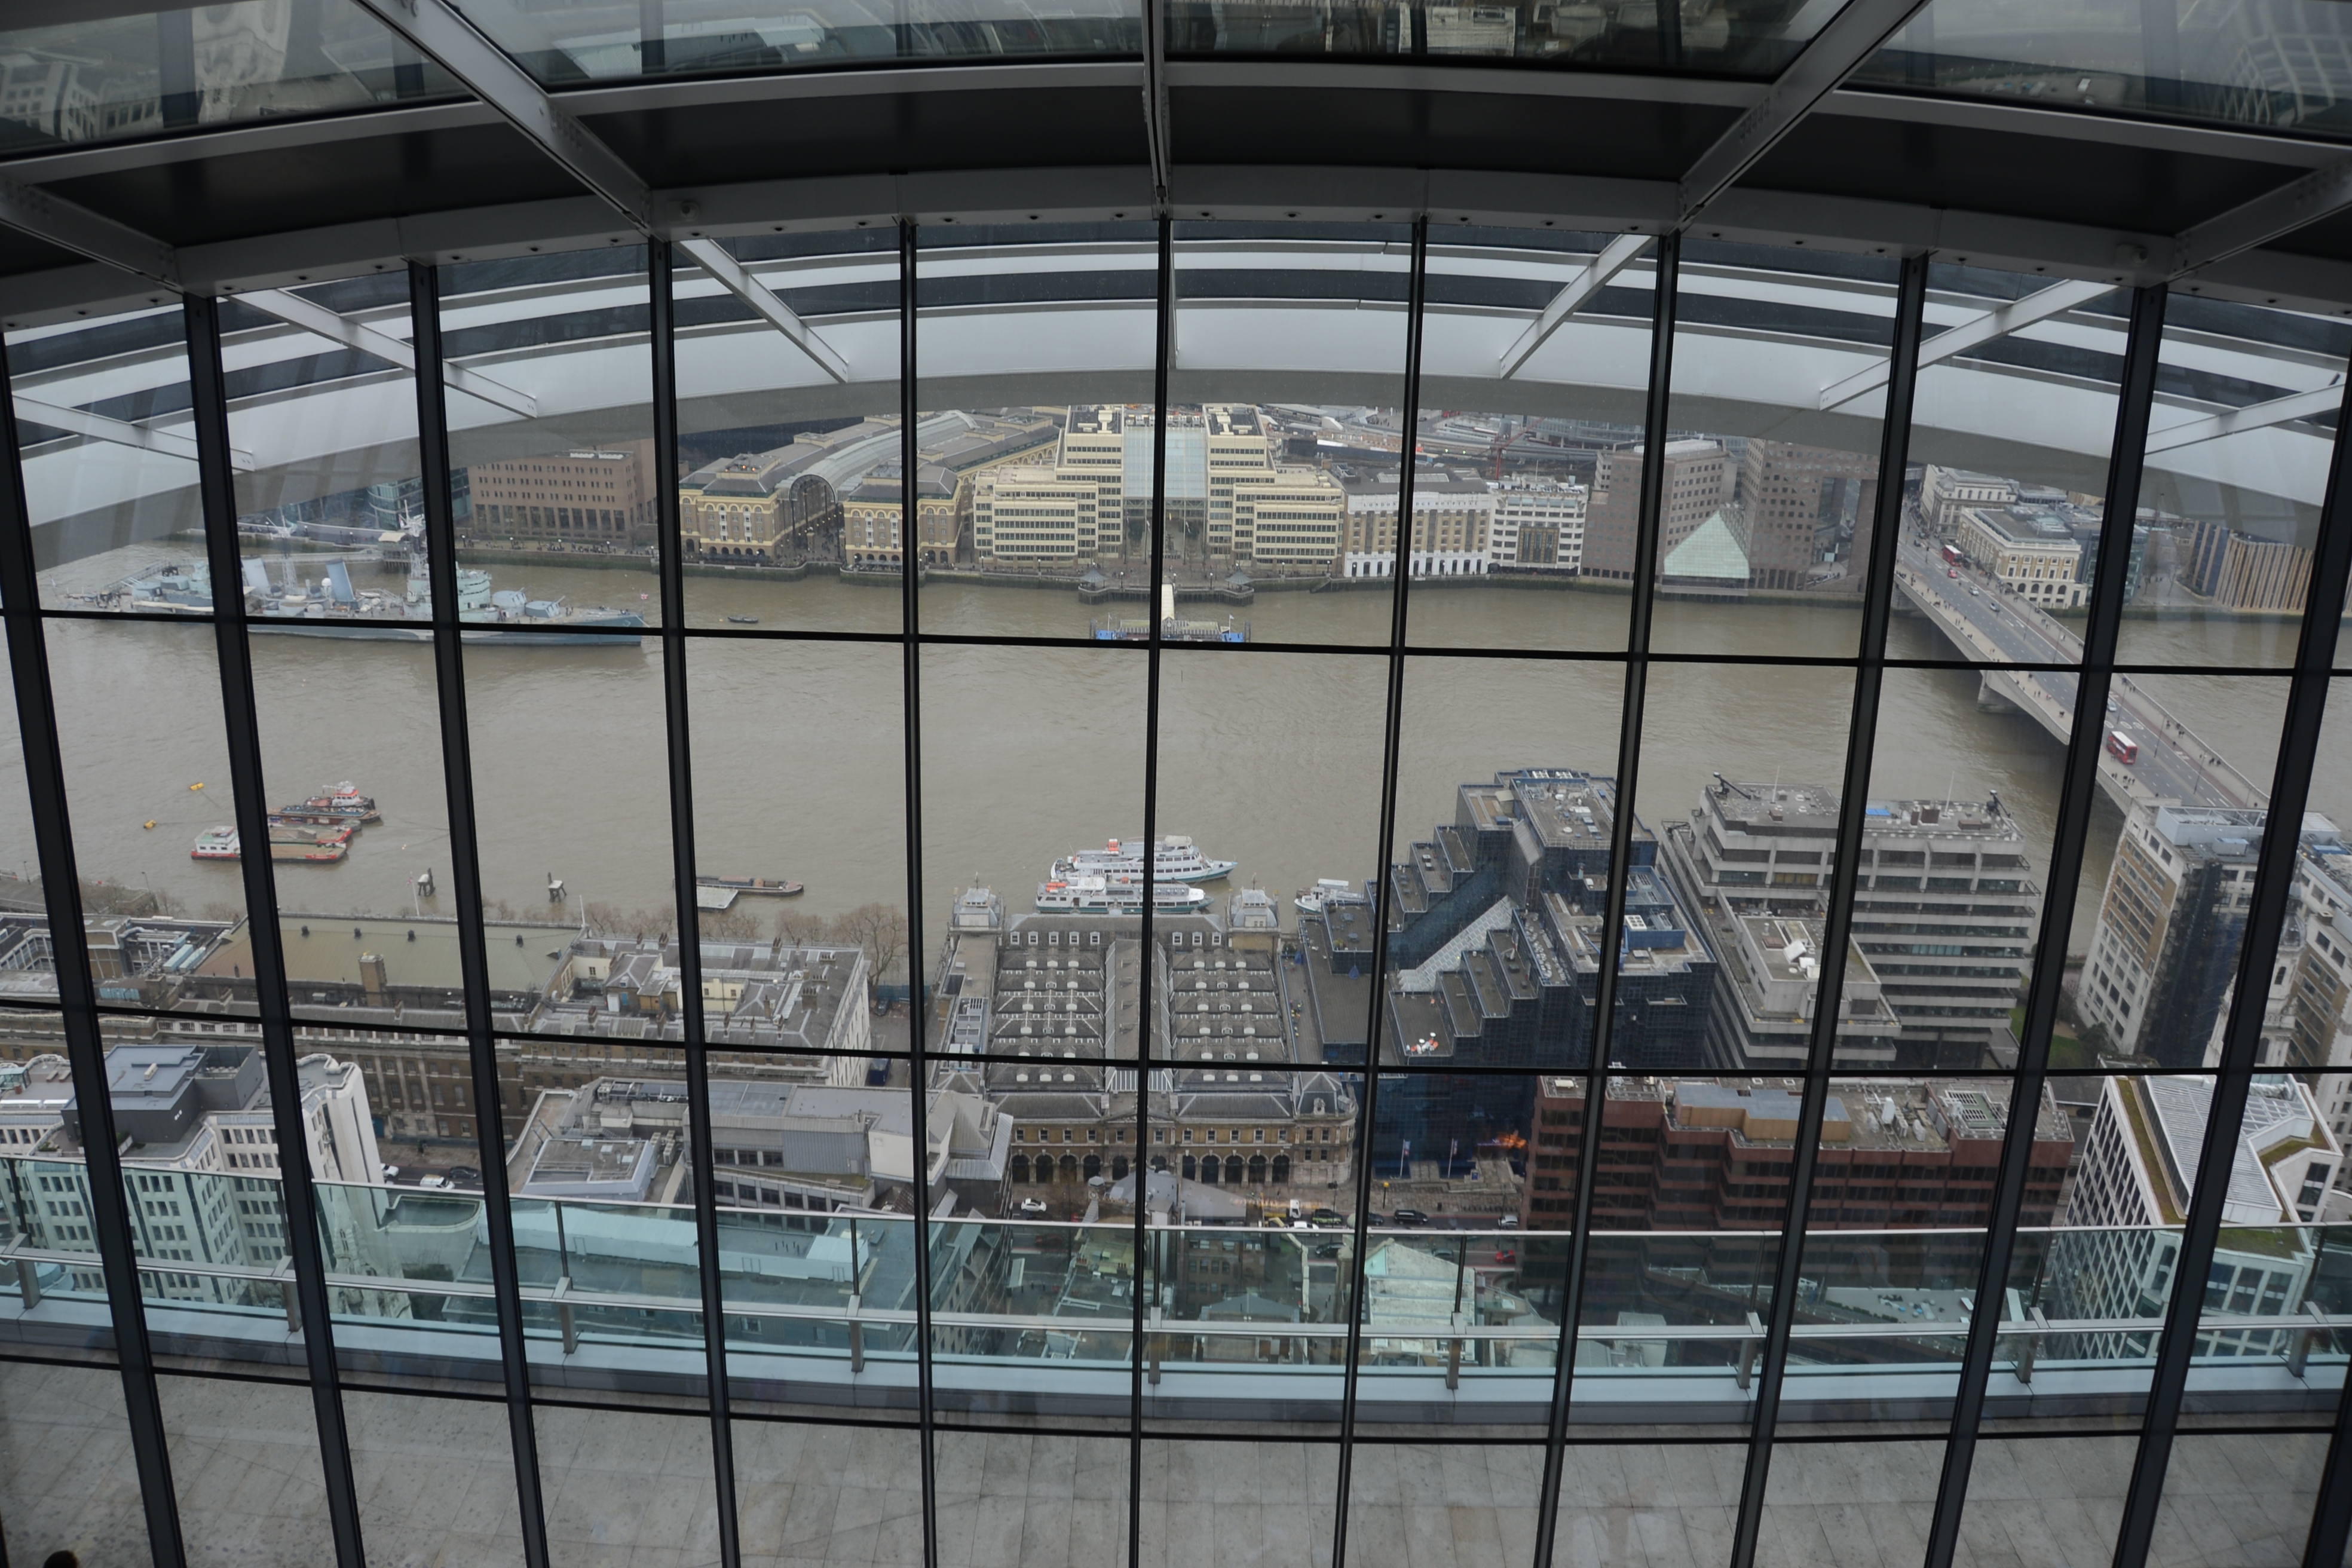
[(1976, 593), (1033, 1206), (1411, 1216), (1951, 571), (1509, 1222), (1504, 1254), (2113, 706), (465, 1177), (434, 1183), (1327, 1219), (1325, 1249)]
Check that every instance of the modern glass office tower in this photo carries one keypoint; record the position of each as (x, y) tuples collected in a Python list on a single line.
[(1372, 785)]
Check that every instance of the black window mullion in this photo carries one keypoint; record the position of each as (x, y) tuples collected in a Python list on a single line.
[(2307, 709), (2331, 1519), (1862, 737), (240, 713), (689, 922), (1152, 1285), (1620, 854), (109, 1215), (2078, 793), (466, 881), (917, 1016), (1368, 1098)]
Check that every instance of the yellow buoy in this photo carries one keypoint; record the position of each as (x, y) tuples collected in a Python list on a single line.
[(149, 822), (195, 786)]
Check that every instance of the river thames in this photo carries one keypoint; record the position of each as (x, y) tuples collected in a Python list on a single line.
[(1267, 757)]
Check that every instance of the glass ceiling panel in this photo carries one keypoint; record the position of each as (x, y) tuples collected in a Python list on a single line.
[(626, 40), (1716, 38), (2283, 64), (118, 74)]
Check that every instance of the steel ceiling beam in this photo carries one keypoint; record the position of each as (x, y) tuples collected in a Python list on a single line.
[(98, 427), (442, 36), (1613, 258), (1952, 342), (713, 257), (314, 318), (1851, 37), (1155, 100), (2323, 193), (37, 212), (2253, 417)]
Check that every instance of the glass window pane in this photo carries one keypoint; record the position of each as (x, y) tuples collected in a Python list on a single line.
[(803, 1486), (136, 71), (609, 42), (1828, 1501), (1668, 1503), (1036, 351), (780, 426), (627, 1479), (1771, 493), (1514, 421), (1714, 38), (1747, 760), (2170, 884), (139, 706), (2012, 424), (2236, 1492), (1215, 1498), (2238, 450), (1416, 1502), (71, 1484), (434, 1476), (1016, 1498), (330, 520), (106, 440), (551, 463), (2046, 1503), (2173, 60), (244, 1463), (1287, 392)]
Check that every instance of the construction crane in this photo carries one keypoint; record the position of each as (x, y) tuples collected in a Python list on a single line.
[(1503, 443)]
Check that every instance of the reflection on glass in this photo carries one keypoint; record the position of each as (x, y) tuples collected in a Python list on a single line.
[(139, 71), (68, 1482), (2246, 400), (622, 41), (1289, 389), (2012, 420), (1713, 37), (244, 1464), (552, 478), (1033, 486), (2174, 59), (108, 448), (330, 520), (434, 1476), (788, 404), (1768, 500), (1516, 413)]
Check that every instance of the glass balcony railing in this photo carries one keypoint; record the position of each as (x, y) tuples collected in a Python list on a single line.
[(822, 1307)]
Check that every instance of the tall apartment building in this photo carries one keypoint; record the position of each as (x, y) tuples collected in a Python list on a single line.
[(1713, 1154), (1945, 493), (2139, 1171), (1944, 915), (1807, 509), (1453, 526), (1694, 492), (2166, 948), (1539, 526), (600, 496)]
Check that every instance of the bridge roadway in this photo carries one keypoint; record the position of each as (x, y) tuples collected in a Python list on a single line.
[(1996, 627)]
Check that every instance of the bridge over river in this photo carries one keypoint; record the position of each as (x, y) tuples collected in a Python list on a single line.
[(2000, 628)]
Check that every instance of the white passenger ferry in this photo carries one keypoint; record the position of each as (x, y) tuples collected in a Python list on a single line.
[(1114, 896), (1310, 900), (1174, 858)]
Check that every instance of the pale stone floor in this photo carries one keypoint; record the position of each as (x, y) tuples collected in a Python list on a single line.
[(631, 1489)]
